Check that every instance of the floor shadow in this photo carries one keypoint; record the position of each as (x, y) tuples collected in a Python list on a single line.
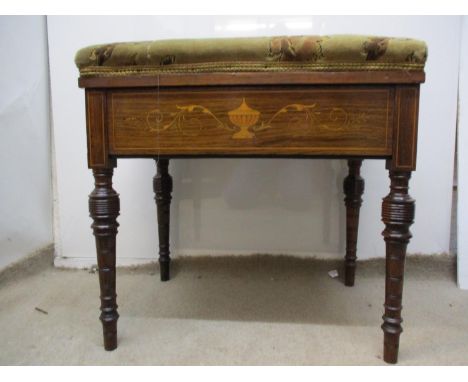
[(258, 288)]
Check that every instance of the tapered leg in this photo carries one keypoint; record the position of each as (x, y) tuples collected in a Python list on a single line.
[(353, 187), (162, 185), (397, 214), (104, 207)]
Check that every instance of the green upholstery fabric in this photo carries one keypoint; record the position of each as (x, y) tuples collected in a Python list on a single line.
[(281, 53)]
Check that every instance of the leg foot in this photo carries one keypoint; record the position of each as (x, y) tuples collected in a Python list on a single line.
[(110, 334), (104, 208), (164, 270), (391, 345), (397, 214), (162, 186), (353, 187)]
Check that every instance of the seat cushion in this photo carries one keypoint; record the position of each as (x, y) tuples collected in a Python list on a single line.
[(280, 53)]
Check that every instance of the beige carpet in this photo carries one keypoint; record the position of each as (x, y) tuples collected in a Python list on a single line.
[(260, 310)]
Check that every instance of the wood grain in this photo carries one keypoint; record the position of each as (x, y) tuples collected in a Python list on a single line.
[(353, 187), (96, 129), (254, 78), (352, 115), (292, 120), (162, 187), (398, 210), (406, 128), (104, 208)]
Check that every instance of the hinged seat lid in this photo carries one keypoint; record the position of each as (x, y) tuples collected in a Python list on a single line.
[(253, 54)]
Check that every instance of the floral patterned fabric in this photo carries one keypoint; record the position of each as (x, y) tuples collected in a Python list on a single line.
[(281, 53)]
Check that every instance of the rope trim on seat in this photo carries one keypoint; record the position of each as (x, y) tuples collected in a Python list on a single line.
[(243, 67)]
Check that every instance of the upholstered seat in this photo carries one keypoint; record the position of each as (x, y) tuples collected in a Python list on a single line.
[(296, 53), (310, 97)]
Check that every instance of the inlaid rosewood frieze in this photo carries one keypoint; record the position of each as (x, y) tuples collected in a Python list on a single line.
[(351, 97), (242, 121)]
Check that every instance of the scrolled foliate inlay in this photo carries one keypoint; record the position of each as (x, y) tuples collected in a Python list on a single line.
[(245, 121)]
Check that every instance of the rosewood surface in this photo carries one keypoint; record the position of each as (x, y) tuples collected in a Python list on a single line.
[(352, 115)]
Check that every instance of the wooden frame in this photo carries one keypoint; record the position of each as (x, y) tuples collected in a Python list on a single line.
[(362, 114)]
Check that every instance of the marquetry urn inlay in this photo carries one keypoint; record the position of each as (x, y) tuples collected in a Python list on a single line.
[(280, 121), (244, 119)]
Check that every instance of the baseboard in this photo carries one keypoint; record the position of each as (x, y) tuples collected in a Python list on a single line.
[(88, 262)]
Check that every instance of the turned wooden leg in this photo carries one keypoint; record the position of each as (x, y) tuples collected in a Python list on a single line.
[(353, 187), (397, 214), (104, 208), (162, 186)]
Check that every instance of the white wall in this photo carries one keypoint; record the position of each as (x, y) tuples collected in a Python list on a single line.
[(25, 191), (462, 223), (251, 206)]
